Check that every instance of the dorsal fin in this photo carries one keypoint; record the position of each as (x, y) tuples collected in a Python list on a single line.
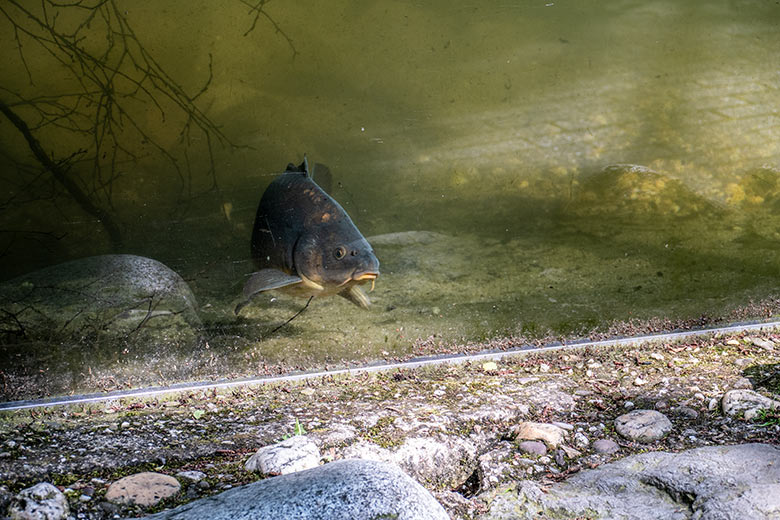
[(301, 168), (305, 166)]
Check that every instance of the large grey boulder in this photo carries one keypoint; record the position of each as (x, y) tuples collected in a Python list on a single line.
[(710, 483), (89, 316), (342, 490), (108, 294)]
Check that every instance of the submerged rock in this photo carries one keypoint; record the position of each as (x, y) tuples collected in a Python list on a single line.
[(96, 310), (630, 190), (705, 483), (758, 189), (346, 490)]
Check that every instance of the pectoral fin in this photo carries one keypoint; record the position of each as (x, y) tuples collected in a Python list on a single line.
[(356, 295), (266, 280)]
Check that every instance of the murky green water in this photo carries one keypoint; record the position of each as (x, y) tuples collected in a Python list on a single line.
[(494, 126)]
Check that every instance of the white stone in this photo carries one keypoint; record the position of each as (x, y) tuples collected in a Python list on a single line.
[(40, 502), (743, 401), (193, 476), (294, 454)]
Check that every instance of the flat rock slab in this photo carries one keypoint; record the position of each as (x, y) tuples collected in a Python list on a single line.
[(643, 425), (710, 483), (343, 490), (143, 489)]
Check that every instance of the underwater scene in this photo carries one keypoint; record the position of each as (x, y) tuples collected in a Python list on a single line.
[(437, 177)]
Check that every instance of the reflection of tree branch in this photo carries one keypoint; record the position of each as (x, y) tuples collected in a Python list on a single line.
[(36, 234), (19, 330), (257, 8), (60, 174), (112, 80)]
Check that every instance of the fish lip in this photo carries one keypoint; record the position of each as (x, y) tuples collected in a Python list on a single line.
[(361, 277)]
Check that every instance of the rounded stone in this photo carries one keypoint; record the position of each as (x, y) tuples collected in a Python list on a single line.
[(144, 489), (533, 448), (344, 489), (643, 425), (605, 446)]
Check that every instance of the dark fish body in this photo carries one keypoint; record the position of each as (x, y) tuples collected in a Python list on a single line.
[(305, 244)]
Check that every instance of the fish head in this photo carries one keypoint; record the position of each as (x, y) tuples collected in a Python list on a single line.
[(335, 258)]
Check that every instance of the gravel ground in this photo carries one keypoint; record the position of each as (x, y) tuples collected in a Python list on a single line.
[(82, 449)]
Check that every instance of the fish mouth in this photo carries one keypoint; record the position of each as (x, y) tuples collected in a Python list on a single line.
[(367, 276)]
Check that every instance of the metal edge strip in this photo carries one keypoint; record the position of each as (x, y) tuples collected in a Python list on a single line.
[(379, 367)]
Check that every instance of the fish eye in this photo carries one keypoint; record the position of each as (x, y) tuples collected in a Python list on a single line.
[(340, 252)]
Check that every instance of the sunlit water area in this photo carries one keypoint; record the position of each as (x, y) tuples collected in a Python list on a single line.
[(523, 170)]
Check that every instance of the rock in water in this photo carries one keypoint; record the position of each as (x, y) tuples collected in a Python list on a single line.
[(99, 298), (305, 244), (342, 490), (631, 191)]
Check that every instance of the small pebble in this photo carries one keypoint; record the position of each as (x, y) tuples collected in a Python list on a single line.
[(605, 446), (688, 412), (532, 447), (581, 440)]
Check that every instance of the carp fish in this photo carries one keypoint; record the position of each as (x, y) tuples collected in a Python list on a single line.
[(305, 244)]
